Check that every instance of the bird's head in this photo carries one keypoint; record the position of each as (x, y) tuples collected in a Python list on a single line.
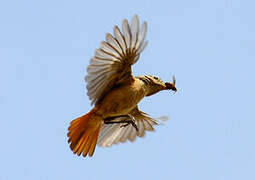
[(154, 84)]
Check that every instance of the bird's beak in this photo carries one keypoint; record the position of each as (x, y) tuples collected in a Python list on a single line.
[(170, 86)]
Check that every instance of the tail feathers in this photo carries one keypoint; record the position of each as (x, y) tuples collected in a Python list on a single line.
[(83, 134)]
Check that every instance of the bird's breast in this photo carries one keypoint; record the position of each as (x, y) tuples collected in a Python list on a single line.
[(121, 100)]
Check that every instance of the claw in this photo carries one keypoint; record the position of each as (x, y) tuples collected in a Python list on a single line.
[(124, 125)]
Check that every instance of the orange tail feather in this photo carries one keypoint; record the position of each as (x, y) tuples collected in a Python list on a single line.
[(83, 134)]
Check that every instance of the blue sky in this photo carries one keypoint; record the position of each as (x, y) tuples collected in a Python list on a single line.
[(45, 47)]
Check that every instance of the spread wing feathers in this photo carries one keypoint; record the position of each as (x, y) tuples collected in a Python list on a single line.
[(113, 133), (112, 62)]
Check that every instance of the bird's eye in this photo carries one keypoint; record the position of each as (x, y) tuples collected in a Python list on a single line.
[(155, 77)]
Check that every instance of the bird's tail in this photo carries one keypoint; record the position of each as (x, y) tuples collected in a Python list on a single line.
[(83, 133)]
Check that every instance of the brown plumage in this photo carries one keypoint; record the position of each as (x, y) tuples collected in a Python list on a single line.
[(116, 92)]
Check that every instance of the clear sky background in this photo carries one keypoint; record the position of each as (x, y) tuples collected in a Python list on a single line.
[(45, 47)]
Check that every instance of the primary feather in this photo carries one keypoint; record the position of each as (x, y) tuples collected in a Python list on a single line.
[(112, 61)]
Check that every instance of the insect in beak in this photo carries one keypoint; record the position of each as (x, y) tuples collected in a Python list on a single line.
[(171, 86)]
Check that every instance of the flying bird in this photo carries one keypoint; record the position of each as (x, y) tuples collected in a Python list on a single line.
[(115, 92)]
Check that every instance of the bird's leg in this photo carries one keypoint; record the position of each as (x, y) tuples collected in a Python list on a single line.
[(130, 120)]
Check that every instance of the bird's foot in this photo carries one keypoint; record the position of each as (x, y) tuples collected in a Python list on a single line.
[(130, 120)]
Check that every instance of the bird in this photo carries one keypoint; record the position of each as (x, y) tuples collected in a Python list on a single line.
[(115, 93)]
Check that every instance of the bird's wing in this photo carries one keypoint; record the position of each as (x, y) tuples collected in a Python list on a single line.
[(112, 62), (113, 134)]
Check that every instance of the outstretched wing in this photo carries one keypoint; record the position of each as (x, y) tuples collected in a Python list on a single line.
[(112, 62), (113, 134)]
